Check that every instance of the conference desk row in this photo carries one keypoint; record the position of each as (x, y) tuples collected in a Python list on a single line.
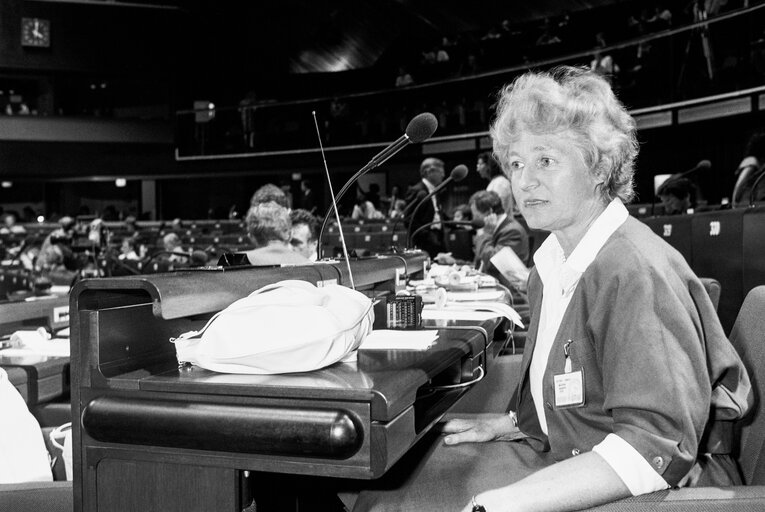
[(39, 378), (727, 245), (156, 436)]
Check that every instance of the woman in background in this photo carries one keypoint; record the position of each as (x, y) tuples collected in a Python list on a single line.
[(488, 168)]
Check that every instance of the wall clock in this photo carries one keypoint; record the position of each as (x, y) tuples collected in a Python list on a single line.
[(35, 32)]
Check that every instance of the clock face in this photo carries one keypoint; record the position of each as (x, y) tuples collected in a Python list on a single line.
[(35, 32)]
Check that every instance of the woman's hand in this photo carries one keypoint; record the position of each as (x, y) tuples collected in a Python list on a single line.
[(493, 500), (487, 428)]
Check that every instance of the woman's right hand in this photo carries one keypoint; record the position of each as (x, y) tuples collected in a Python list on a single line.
[(480, 430)]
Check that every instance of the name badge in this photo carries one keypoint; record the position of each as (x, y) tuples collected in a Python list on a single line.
[(569, 389)]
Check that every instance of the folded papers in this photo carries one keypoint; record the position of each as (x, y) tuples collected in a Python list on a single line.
[(470, 310), (389, 339)]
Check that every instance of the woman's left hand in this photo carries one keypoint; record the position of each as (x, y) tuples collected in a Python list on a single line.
[(487, 428), (491, 501)]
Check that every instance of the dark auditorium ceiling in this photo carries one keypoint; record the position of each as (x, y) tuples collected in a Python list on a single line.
[(300, 36)]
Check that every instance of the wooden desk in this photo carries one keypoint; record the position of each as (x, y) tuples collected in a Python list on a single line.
[(154, 436), (50, 312), (38, 378)]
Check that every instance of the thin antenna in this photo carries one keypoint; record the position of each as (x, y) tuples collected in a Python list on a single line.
[(334, 203)]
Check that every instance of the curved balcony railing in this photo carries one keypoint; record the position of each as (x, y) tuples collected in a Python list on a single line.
[(717, 55)]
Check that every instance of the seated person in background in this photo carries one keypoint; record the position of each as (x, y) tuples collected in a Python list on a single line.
[(390, 201), (304, 233), (127, 250), (462, 213), (267, 193), (23, 456), (397, 212), (628, 381), (10, 227), (488, 168), (749, 170), (676, 195), (269, 228), (365, 209), (499, 231), (56, 256), (171, 244)]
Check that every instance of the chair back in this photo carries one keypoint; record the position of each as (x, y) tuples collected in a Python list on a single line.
[(748, 337), (713, 288)]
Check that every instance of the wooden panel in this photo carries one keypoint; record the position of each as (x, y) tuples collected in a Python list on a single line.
[(148, 487), (754, 249), (676, 231)]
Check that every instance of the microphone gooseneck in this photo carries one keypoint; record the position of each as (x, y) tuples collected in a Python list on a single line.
[(469, 223), (458, 174), (419, 129), (752, 193)]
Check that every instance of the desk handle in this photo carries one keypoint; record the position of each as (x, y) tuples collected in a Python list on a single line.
[(475, 380)]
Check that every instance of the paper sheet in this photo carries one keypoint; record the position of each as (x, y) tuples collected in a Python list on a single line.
[(33, 342), (511, 266), (389, 339), (476, 296), (430, 312), (496, 309)]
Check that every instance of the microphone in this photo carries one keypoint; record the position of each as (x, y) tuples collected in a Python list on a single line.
[(473, 224), (701, 166), (187, 255), (419, 129), (458, 174)]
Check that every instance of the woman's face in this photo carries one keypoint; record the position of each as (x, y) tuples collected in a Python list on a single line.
[(553, 188), (482, 169)]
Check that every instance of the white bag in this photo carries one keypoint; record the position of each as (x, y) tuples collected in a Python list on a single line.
[(289, 326), (64, 432), (23, 456)]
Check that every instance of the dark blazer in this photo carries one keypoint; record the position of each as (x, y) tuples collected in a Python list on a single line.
[(429, 240), (424, 214), (510, 234)]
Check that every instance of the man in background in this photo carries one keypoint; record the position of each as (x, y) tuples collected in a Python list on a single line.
[(269, 192), (304, 234), (432, 175), (269, 228), (307, 197), (676, 195), (499, 230), (495, 244), (171, 243)]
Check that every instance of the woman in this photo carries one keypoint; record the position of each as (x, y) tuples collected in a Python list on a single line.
[(488, 168), (626, 373), (365, 209), (749, 171)]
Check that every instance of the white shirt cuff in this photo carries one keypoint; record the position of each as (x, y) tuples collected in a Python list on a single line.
[(636, 473)]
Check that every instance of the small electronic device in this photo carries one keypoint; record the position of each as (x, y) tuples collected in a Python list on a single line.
[(403, 312)]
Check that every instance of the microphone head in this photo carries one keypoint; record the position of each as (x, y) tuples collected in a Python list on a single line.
[(459, 173), (421, 127), (704, 164)]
